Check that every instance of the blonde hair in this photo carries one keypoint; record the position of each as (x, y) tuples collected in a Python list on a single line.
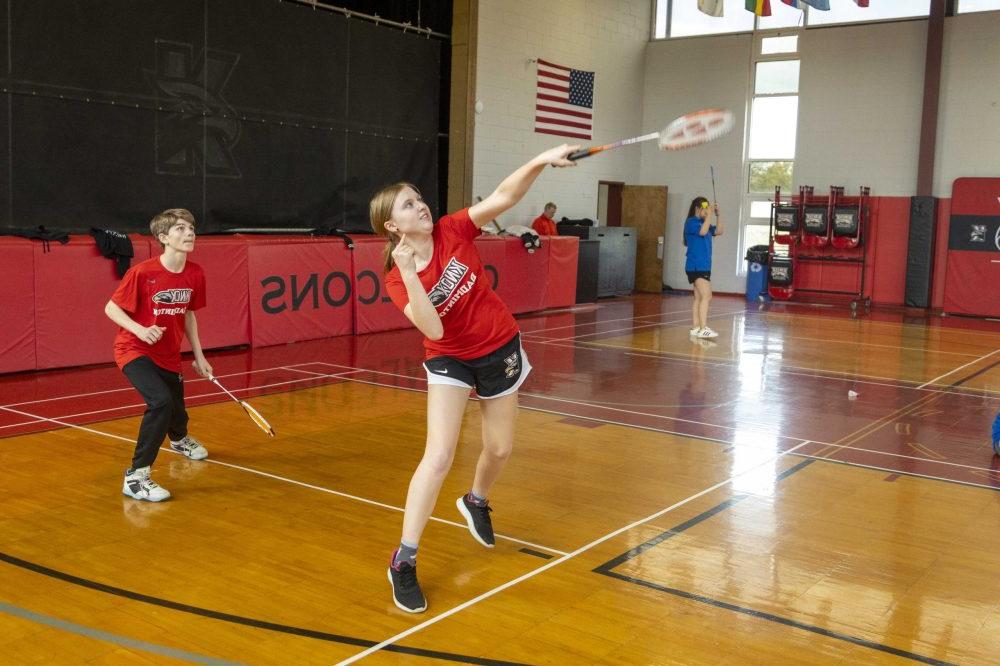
[(380, 212), (162, 222)]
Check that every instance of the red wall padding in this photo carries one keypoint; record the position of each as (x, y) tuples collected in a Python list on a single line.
[(261, 290), (563, 258), (225, 319), (17, 332), (887, 256), (972, 280), (373, 310), (526, 277), (521, 278), (972, 276), (299, 290), (73, 282)]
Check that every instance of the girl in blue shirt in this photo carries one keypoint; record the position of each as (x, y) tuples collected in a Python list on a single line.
[(698, 233)]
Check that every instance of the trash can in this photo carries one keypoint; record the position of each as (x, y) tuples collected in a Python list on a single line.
[(757, 258)]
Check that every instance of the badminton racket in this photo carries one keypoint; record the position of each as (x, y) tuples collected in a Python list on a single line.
[(692, 129), (248, 408), (715, 198)]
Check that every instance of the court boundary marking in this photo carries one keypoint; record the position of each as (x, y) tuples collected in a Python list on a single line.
[(232, 618), (607, 569), (277, 477), (390, 642), (565, 558), (355, 370)]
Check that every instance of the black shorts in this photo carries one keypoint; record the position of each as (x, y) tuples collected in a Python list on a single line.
[(694, 275), (496, 374)]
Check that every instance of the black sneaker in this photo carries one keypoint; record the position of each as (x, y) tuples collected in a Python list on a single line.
[(406, 592), (478, 518)]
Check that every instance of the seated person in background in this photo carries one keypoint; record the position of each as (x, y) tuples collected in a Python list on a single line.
[(543, 224)]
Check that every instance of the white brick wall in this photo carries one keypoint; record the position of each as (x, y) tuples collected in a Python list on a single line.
[(860, 103), (968, 140), (684, 75), (605, 36)]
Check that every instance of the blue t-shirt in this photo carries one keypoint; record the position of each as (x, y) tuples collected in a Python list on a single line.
[(699, 248)]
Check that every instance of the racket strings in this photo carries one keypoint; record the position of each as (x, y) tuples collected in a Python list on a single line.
[(256, 417)]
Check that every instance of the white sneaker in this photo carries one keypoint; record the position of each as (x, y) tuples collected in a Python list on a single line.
[(694, 331), (190, 447), (139, 486), (706, 332)]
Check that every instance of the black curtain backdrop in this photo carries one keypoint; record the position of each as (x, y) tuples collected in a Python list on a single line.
[(250, 113)]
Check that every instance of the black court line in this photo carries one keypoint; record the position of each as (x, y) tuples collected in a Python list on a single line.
[(529, 551), (976, 374), (246, 621), (606, 569)]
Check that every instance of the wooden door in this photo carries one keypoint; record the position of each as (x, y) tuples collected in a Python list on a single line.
[(644, 207)]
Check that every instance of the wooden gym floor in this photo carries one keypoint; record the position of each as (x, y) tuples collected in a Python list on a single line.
[(668, 501)]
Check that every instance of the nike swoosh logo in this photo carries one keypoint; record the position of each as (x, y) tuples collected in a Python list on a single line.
[(443, 372)]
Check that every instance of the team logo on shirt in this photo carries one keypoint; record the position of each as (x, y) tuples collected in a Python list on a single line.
[(173, 296), (451, 278)]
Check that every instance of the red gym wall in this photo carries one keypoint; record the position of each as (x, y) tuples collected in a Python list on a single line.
[(261, 291)]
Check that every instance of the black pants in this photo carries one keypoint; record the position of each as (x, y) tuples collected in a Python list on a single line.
[(163, 392)]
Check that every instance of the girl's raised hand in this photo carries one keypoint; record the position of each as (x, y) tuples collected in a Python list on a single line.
[(402, 254), (557, 156)]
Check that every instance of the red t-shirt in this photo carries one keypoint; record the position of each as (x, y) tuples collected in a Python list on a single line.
[(543, 226), (476, 322), (153, 295)]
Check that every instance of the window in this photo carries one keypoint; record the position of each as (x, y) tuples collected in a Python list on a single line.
[(965, 6), (848, 12), (682, 18), (770, 157), (686, 20), (765, 176), (772, 127), (772, 45)]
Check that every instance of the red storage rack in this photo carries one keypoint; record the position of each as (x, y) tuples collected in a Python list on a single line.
[(811, 235)]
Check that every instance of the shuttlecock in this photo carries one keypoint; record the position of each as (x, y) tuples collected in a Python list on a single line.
[(851, 395)]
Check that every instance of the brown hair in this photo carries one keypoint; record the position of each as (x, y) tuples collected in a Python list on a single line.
[(380, 212), (550, 205), (161, 223), (695, 205)]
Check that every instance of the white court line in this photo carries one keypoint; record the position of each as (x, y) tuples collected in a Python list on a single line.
[(130, 388), (939, 330), (734, 363), (251, 470), (564, 558), (42, 419), (951, 372), (605, 321), (763, 428), (636, 328)]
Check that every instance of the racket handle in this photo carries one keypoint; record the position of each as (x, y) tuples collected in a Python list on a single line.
[(580, 154)]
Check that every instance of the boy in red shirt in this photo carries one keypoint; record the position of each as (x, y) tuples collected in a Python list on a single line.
[(154, 307), (435, 276)]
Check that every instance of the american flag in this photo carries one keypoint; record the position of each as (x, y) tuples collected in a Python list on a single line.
[(564, 101)]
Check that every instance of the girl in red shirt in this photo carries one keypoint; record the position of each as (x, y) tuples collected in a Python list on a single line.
[(434, 275)]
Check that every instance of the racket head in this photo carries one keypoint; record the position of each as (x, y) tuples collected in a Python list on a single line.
[(256, 417), (696, 128)]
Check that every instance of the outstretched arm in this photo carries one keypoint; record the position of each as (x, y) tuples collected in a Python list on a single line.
[(514, 186)]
